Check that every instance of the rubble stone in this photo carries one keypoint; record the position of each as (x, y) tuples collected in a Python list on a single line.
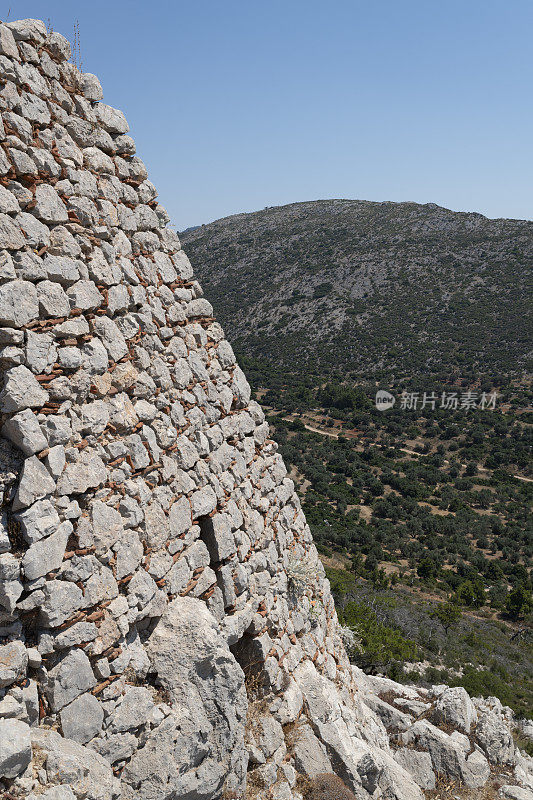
[(35, 483), (18, 303), (15, 747), (82, 719), (13, 662), (21, 390), (47, 554), (70, 678), (24, 431)]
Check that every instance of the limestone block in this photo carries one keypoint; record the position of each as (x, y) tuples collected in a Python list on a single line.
[(71, 677), (28, 30), (87, 471), (61, 600), (35, 483), (418, 764), (82, 719), (91, 87), (218, 536), (111, 119), (495, 737), (13, 663), (18, 303), (8, 46), (53, 302), (24, 431), (454, 707), (49, 207), (183, 649), (21, 390), (10, 234), (310, 756), (85, 771), (15, 747)]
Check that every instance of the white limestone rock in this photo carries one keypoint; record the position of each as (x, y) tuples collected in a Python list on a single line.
[(28, 30), (87, 471), (336, 726), (49, 207), (70, 678), (57, 429), (10, 586), (8, 204), (495, 738), (515, 793), (203, 502), (82, 719), (132, 711), (35, 483), (47, 554), (13, 663), (183, 650), (19, 303), (41, 351), (454, 707), (392, 719), (53, 302), (92, 89), (418, 764), (84, 295), (58, 46), (80, 632), (112, 338), (55, 461), (111, 119), (8, 46), (15, 747), (451, 755), (217, 534), (24, 431), (36, 233), (59, 792), (310, 756), (21, 390), (11, 236), (129, 553), (88, 775), (39, 520), (60, 269)]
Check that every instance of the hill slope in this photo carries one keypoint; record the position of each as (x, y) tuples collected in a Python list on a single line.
[(372, 288)]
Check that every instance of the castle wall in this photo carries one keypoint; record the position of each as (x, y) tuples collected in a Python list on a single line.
[(166, 623)]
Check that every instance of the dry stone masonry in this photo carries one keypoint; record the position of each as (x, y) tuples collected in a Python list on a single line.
[(167, 629)]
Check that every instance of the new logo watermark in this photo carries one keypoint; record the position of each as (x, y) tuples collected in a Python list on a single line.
[(384, 400), (454, 401)]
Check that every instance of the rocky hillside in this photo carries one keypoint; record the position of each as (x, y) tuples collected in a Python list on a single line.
[(391, 288)]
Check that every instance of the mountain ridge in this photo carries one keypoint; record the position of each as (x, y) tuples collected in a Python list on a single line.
[(316, 281), (429, 204)]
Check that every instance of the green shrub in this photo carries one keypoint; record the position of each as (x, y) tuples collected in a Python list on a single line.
[(380, 644)]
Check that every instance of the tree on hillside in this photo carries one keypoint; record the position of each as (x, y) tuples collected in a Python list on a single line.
[(428, 568), (519, 602), (471, 593), (448, 614)]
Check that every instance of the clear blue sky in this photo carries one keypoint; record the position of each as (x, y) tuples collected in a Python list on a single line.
[(240, 104)]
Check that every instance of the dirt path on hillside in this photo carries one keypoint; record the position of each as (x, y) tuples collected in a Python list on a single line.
[(402, 449)]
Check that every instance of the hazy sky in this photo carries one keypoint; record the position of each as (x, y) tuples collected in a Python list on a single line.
[(240, 104)]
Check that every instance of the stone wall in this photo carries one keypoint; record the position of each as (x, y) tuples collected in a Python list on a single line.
[(168, 631)]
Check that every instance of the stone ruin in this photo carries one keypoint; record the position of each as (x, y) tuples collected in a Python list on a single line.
[(167, 629)]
